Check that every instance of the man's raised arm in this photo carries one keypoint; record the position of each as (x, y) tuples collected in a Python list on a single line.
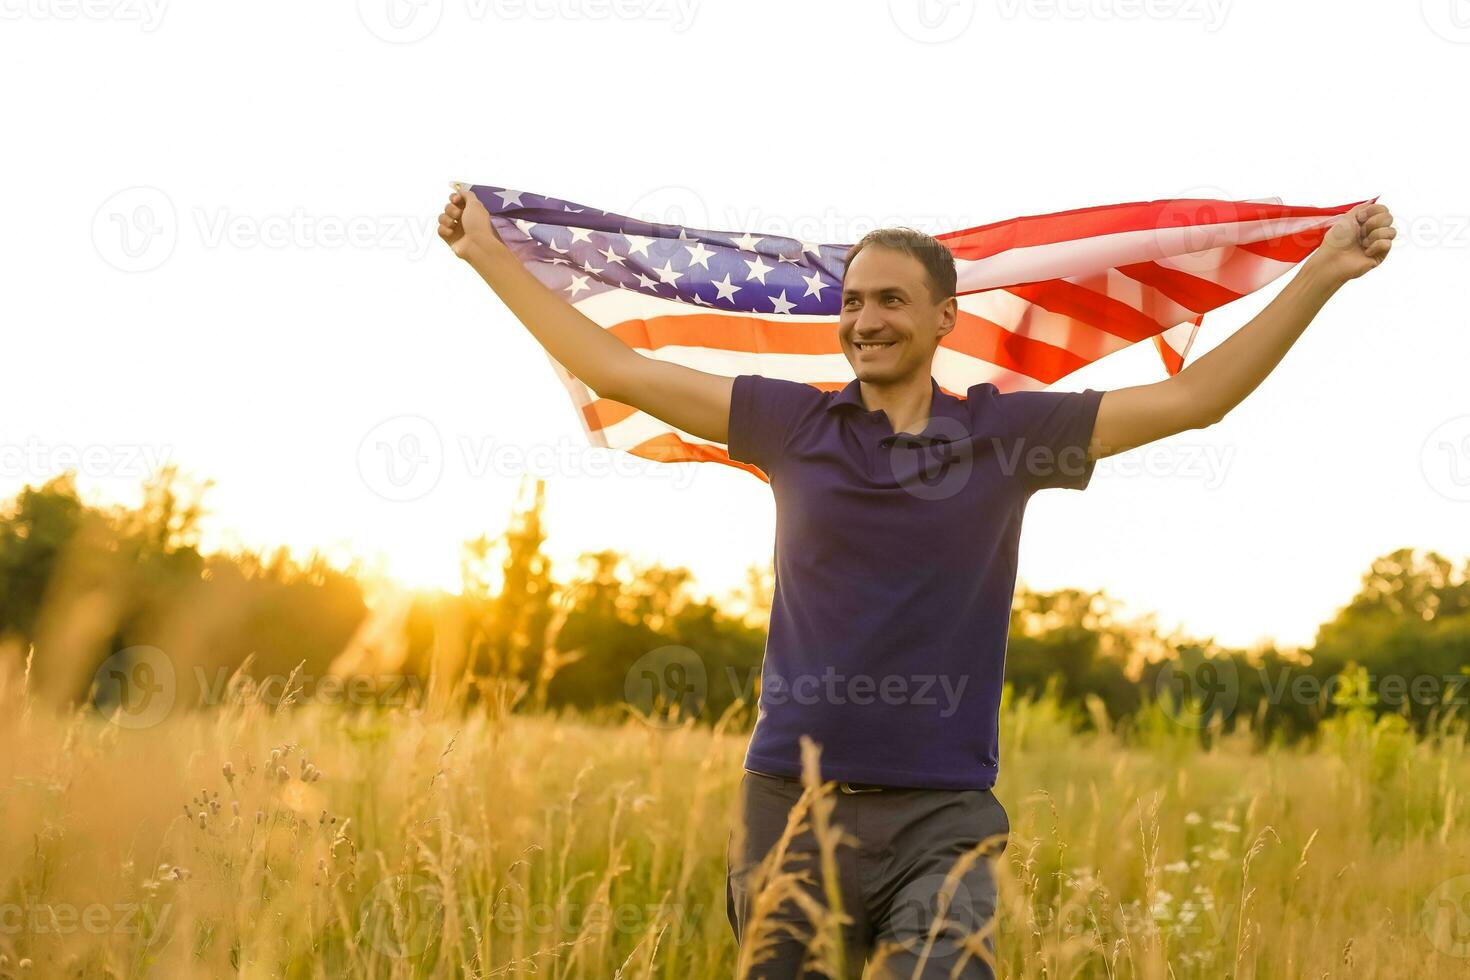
[(1206, 390), (697, 402)]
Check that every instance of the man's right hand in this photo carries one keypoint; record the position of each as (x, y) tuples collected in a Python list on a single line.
[(465, 225)]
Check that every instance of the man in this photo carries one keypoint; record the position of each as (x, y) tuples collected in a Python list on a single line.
[(899, 510)]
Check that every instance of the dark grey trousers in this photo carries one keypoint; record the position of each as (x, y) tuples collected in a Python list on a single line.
[(890, 881)]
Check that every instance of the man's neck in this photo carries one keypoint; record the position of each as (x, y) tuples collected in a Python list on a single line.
[(906, 403)]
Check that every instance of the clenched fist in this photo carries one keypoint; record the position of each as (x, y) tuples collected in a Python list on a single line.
[(465, 225), (1357, 242)]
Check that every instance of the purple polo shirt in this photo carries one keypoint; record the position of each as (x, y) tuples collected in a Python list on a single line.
[(895, 571)]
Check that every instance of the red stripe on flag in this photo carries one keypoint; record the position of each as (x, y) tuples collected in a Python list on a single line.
[(1111, 219), (1191, 292), (669, 448), (1090, 307)]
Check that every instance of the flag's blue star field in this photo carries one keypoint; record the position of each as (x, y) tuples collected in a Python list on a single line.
[(580, 251)]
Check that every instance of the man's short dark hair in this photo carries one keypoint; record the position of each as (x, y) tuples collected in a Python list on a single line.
[(932, 254)]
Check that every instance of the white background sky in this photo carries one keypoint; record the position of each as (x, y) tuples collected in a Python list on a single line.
[(247, 342)]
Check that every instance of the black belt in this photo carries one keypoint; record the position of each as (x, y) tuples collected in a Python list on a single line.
[(844, 787)]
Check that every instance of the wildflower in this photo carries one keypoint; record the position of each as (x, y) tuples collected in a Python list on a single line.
[(1224, 827), (1178, 867), (1192, 818)]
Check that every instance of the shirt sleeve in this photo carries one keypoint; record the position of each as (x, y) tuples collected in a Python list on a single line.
[(1053, 430), (763, 413)]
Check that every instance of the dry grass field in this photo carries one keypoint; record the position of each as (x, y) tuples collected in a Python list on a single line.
[(316, 841)]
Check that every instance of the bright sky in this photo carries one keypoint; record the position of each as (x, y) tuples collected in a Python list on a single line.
[(218, 250)]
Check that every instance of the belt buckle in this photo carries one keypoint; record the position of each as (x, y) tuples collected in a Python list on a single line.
[(850, 788)]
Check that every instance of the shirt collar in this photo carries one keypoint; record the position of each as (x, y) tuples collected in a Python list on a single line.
[(851, 394), (942, 405)]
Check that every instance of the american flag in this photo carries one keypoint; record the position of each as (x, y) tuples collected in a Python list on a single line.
[(1039, 296)]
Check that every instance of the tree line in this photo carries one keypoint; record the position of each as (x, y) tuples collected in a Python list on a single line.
[(81, 585)]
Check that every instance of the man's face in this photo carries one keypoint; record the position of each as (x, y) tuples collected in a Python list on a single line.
[(890, 324)]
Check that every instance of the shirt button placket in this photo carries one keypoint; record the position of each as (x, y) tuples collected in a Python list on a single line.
[(879, 453)]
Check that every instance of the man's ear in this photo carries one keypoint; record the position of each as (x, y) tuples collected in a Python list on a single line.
[(949, 312)]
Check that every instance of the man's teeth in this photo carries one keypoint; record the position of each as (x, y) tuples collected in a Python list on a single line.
[(875, 346)]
